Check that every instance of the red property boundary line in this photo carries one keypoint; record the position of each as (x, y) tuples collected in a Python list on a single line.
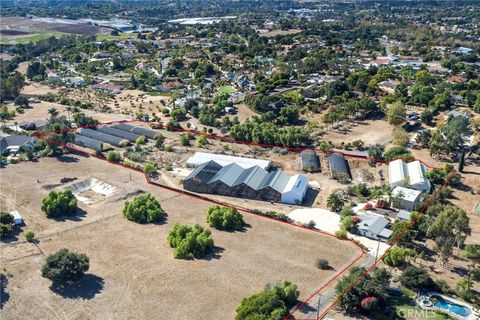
[(40, 135)]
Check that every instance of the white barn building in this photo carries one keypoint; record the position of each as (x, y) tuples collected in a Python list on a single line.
[(411, 175)]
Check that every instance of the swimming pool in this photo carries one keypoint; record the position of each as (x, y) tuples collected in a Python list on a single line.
[(452, 307)]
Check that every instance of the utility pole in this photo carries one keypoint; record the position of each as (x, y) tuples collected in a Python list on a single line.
[(318, 305), (378, 248)]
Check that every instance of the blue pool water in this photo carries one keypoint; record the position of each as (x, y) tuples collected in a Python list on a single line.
[(452, 307)]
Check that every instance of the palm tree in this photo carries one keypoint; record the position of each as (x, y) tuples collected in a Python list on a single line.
[(53, 112), (335, 202)]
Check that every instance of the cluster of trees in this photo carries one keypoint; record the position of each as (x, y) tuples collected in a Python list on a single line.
[(351, 109), (190, 242), (254, 130), (373, 285), (224, 218), (60, 203), (144, 208), (272, 303), (11, 82)]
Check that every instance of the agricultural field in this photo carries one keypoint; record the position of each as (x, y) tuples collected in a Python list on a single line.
[(125, 269)]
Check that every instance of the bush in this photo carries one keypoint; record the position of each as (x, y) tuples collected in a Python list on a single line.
[(416, 279), (224, 218), (190, 242), (168, 148), (140, 140), (59, 203), (6, 218), (113, 156), (144, 208), (342, 234), (150, 168), (272, 303), (29, 235), (322, 264), (201, 141), (185, 139), (5, 229), (65, 267)]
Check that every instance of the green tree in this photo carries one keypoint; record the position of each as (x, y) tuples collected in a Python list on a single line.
[(398, 152), (144, 208), (370, 285), (416, 279), (189, 241), (397, 256), (375, 153), (224, 218), (335, 202), (64, 267), (6, 224), (397, 114), (270, 304), (60, 203), (21, 101), (450, 227)]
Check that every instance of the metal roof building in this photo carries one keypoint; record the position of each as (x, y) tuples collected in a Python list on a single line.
[(201, 157), (374, 227), (309, 161), (409, 175), (84, 141), (339, 166), (132, 137), (253, 183), (137, 130), (108, 138)]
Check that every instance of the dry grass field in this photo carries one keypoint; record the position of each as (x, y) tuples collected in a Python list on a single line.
[(132, 270)]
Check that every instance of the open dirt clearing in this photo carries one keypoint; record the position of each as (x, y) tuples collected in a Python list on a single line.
[(132, 270)]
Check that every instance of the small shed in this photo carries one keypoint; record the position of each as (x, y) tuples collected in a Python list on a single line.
[(17, 218), (309, 161), (339, 168)]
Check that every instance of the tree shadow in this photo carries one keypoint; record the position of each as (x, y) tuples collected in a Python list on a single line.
[(77, 216), (214, 254), (306, 309), (89, 286), (12, 236), (67, 159), (4, 295)]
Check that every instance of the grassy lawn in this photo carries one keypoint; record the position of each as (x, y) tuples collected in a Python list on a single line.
[(103, 37), (29, 38), (159, 94), (404, 307), (226, 89)]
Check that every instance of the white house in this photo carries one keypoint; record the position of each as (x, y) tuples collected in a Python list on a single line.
[(405, 198), (411, 175)]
